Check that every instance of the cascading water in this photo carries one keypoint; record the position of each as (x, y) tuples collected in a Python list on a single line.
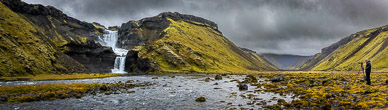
[(110, 40)]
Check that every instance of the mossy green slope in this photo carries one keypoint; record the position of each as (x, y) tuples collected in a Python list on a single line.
[(22, 51), (189, 46), (371, 43), (26, 50)]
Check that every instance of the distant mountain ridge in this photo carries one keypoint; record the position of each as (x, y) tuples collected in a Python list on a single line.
[(286, 61)]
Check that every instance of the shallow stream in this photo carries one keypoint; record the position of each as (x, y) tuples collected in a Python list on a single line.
[(171, 91)]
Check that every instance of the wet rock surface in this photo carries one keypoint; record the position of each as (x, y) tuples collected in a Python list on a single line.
[(218, 77), (179, 92), (277, 78)]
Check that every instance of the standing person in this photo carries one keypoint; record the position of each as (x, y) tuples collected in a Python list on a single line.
[(367, 71)]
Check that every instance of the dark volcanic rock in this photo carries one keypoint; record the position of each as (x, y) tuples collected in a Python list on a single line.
[(136, 64), (200, 99), (243, 87), (73, 37), (218, 77), (130, 36), (277, 78), (114, 28), (38, 9), (93, 56)]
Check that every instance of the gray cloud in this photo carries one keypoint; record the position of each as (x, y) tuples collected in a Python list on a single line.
[(300, 27)]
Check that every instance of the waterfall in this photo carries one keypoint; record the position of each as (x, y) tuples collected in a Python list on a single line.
[(110, 40)]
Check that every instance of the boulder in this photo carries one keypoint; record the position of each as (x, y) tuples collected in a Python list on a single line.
[(277, 78), (250, 79), (200, 99), (386, 81), (243, 87), (218, 77), (103, 88)]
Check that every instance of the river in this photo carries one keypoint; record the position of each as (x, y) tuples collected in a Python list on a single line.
[(170, 91)]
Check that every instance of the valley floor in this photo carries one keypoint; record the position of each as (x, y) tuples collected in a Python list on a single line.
[(59, 77), (271, 90)]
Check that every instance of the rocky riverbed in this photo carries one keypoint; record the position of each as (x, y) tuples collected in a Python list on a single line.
[(172, 91)]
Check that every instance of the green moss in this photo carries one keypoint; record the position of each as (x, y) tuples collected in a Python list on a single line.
[(348, 56), (22, 51), (190, 47)]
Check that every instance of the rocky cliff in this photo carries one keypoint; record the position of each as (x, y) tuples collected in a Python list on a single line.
[(174, 42), (41, 39), (347, 53)]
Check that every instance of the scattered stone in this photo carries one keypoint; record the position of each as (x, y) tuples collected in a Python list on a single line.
[(172, 76), (103, 88), (93, 93), (129, 81), (224, 74), (208, 79), (243, 87), (215, 84), (130, 92), (200, 99), (217, 88), (107, 93), (78, 95), (277, 78), (218, 77), (250, 79), (117, 92), (154, 77), (257, 98)]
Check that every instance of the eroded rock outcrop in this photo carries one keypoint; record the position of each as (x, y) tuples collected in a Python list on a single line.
[(72, 41)]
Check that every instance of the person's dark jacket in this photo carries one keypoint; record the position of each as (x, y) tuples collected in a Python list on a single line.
[(368, 67)]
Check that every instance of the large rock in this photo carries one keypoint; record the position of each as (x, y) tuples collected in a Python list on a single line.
[(133, 63), (96, 58), (277, 78), (243, 86), (218, 77)]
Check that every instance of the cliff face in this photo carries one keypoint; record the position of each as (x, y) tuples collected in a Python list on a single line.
[(173, 42), (347, 53), (69, 43)]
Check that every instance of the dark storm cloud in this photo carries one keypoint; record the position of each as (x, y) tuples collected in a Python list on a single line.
[(299, 27)]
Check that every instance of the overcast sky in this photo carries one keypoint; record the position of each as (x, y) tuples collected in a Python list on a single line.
[(300, 27)]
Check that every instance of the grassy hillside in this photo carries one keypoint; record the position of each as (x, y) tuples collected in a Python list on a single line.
[(37, 39), (190, 46), (24, 50), (371, 43)]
